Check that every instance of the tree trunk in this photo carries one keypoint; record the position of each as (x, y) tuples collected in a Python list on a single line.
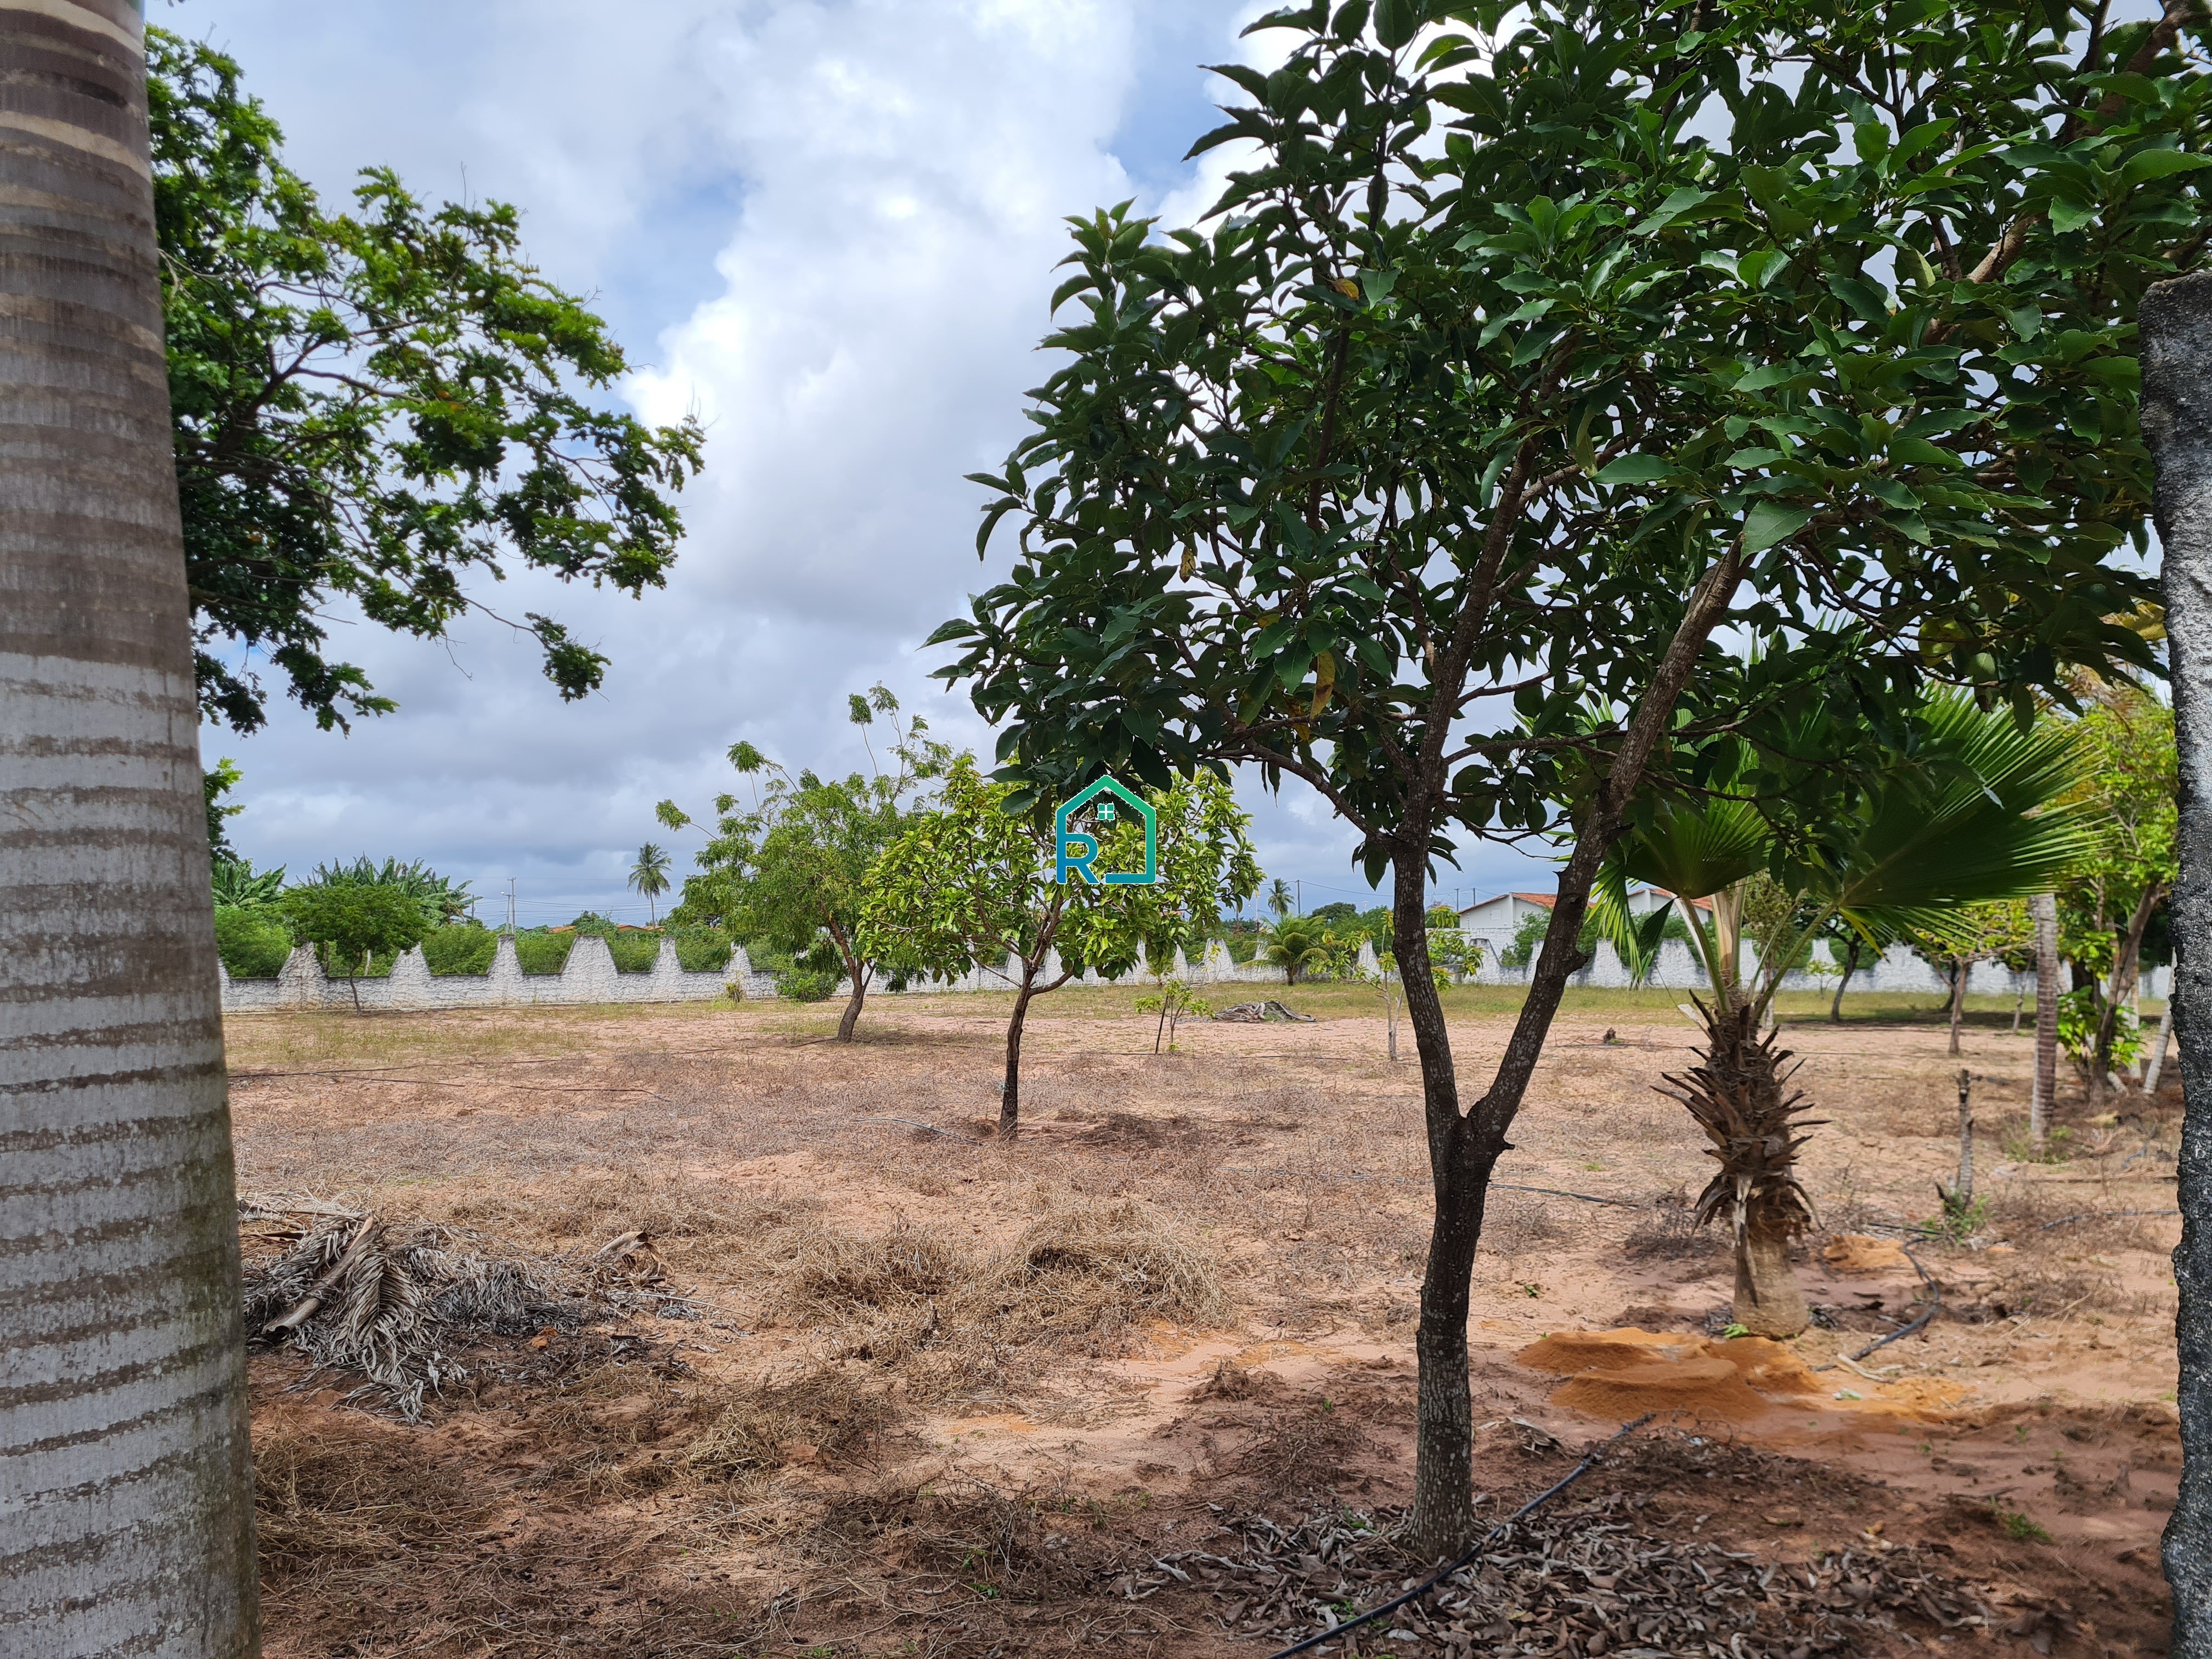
[(1851, 962), (1963, 1191), (1010, 1097), (1959, 970), (1464, 1147), (2127, 956), (126, 1520), (2044, 907), (2176, 319), (1768, 1302), (2158, 1049)]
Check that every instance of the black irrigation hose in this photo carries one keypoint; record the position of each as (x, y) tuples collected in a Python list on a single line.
[(1590, 1460), (1934, 1301)]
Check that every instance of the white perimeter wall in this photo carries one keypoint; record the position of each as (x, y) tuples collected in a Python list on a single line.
[(589, 976)]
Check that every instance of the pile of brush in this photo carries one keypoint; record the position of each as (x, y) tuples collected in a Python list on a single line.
[(389, 1301)]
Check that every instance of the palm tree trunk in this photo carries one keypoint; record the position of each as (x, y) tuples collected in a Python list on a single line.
[(1958, 1000), (1768, 1302), (2044, 907), (2176, 319), (128, 1524), (2158, 1048)]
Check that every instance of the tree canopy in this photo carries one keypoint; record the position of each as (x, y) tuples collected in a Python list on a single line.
[(1534, 344), (371, 406), (792, 870), (970, 882)]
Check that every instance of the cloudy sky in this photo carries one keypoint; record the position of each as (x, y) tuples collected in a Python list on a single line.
[(827, 226)]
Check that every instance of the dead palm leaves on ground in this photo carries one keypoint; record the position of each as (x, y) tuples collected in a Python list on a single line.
[(384, 1299)]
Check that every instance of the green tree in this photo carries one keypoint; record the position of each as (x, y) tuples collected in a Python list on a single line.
[(648, 875), (238, 885), (441, 899), (214, 785), (2133, 791), (373, 406), (792, 870), (1463, 418), (1297, 945), (970, 882), (355, 922), (1989, 931), (1279, 899)]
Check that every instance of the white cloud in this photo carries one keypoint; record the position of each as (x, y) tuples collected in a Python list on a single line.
[(829, 226)]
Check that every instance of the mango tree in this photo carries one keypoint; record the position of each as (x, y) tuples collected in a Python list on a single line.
[(1495, 386), (790, 871), (973, 883)]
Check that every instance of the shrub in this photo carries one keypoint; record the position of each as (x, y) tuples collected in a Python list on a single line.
[(250, 940), (803, 984), (467, 947), (543, 951), (701, 949), (634, 952)]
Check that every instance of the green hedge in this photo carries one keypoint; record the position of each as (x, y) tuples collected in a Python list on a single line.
[(633, 953), (465, 948), (701, 949), (252, 942), (543, 951)]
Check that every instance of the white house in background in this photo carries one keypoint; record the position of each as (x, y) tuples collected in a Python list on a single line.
[(1496, 920)]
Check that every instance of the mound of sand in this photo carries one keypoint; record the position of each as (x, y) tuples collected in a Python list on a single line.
[(1857, 1253), (1626, 1373)]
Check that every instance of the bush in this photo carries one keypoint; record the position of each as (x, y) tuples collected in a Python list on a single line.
[(634, 952), (701, 949), (803, 984), (467, 947), (542, 950), (250, 940)]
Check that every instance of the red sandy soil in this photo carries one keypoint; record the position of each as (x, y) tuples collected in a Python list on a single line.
[(2027, 1436)]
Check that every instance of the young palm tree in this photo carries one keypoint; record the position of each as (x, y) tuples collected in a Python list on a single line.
[(1278, 896), (1297, 945), (649, 876), (1974, 816), (128, 1526)]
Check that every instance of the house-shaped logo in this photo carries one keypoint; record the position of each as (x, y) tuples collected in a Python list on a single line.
[(1077, 848)]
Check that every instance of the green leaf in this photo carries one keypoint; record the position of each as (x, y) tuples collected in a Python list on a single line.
[(1677, 203), (1635, 470), (2145, 164), (2067, 215), (1770, 522)]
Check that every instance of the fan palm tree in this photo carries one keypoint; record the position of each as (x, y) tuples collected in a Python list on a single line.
[(649, 876), (1976, 816), (129, 1523), (1297, 945)]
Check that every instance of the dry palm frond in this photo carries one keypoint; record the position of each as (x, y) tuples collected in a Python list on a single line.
[(356, 1292), (1742, 1099)]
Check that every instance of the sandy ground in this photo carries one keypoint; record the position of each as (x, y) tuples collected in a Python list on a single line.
[(935, 1453)]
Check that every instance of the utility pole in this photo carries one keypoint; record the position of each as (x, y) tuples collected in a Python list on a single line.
[(1302, 895), (510, 904)]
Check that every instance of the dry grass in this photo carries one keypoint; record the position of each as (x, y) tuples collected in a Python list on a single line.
[(936, 1391)]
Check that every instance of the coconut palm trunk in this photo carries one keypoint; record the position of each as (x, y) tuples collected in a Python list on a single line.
[(2176, 318), (126, 1494)]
